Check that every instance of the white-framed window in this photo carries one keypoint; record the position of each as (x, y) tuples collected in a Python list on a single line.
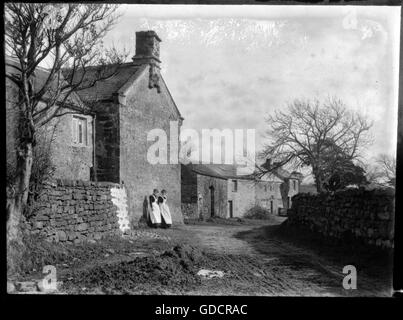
[(80, 131), (294, 184)]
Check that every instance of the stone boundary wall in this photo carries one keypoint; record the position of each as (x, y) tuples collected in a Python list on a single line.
[(73, 211), (365, 215)]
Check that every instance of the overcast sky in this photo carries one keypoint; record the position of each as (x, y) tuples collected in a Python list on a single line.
[(229, 67)]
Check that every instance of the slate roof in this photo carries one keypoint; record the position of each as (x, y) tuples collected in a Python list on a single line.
[(115, 77), (221, 171), (285, 174), (40, 77)]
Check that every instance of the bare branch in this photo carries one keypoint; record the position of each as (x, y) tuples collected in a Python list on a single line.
[(315, 134)]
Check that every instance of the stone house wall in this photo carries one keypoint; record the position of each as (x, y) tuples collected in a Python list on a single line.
[(250, 193), (147, 109), (367, 216), (267, 193), (73, 211), (189, 196), (293, 191), (244, 198), (107, 142), (70, 161), (204, 184), (190, 210)]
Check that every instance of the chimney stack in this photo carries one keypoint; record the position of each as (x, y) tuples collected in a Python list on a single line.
[(147, 48)]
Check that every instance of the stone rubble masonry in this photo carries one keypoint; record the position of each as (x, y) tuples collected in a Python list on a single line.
[(190, 210), (366, 215), (73, 211)]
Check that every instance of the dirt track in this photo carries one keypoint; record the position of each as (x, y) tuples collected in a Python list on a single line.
[(254, 258), (265, 265)]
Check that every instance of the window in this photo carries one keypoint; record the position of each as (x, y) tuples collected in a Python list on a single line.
[(80, 131), (234, 185), (294, 184)]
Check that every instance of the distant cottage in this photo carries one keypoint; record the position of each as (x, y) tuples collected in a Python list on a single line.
[(111, 144), (213, 190)]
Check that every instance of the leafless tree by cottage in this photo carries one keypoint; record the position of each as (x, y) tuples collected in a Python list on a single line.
[(316, 134), (88, 141), (69, 38)]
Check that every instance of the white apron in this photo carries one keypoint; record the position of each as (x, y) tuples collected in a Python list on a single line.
[(155, 214), (165, 213)]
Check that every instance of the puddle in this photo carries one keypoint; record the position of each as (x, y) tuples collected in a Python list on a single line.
[(209, 274)]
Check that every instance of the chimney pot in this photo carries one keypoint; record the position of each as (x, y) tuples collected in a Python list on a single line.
[(147, 47)]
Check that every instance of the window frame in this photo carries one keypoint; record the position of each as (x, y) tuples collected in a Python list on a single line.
[(80, 131), (234, 185)]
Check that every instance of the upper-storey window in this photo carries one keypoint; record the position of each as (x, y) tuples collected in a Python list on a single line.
[(80, 132), (234, 185)]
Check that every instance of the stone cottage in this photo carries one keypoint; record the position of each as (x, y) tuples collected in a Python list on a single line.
[(204, 191), (287, 183), (66, 138), (111, 144), (134, 101), (217, 190)]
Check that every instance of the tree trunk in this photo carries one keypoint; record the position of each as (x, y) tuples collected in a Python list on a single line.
[(319, 183), (16, 204)]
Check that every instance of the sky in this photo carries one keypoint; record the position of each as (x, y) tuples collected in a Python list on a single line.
[(232, 66)]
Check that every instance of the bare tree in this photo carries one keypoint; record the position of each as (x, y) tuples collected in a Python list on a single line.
[(387, 168), (301, 135), (68, 37)]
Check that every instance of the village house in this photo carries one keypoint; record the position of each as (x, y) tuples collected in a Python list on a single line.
[(111, 144), (212, 190), (289, 182), (65, 138)]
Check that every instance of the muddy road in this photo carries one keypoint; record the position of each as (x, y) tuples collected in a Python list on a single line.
[(260, 263), (254, 256)]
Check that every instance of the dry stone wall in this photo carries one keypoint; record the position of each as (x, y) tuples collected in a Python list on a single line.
[(73, 211), (365, 215)]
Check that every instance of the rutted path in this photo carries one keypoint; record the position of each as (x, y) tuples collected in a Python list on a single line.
[(254, 259), (265, 265)]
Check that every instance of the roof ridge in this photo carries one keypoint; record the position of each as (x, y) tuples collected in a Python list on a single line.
[(16, 61), (132, 79)]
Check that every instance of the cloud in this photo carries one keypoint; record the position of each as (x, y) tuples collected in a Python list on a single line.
[(230, 69)]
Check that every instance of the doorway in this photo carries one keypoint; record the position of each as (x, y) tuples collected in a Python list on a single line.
[(212, 211), (230, 209)]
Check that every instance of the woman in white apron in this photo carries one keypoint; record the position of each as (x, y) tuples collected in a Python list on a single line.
[(155, 213), (164, 209)]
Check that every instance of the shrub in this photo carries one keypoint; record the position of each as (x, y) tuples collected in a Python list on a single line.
[(258, 212)]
